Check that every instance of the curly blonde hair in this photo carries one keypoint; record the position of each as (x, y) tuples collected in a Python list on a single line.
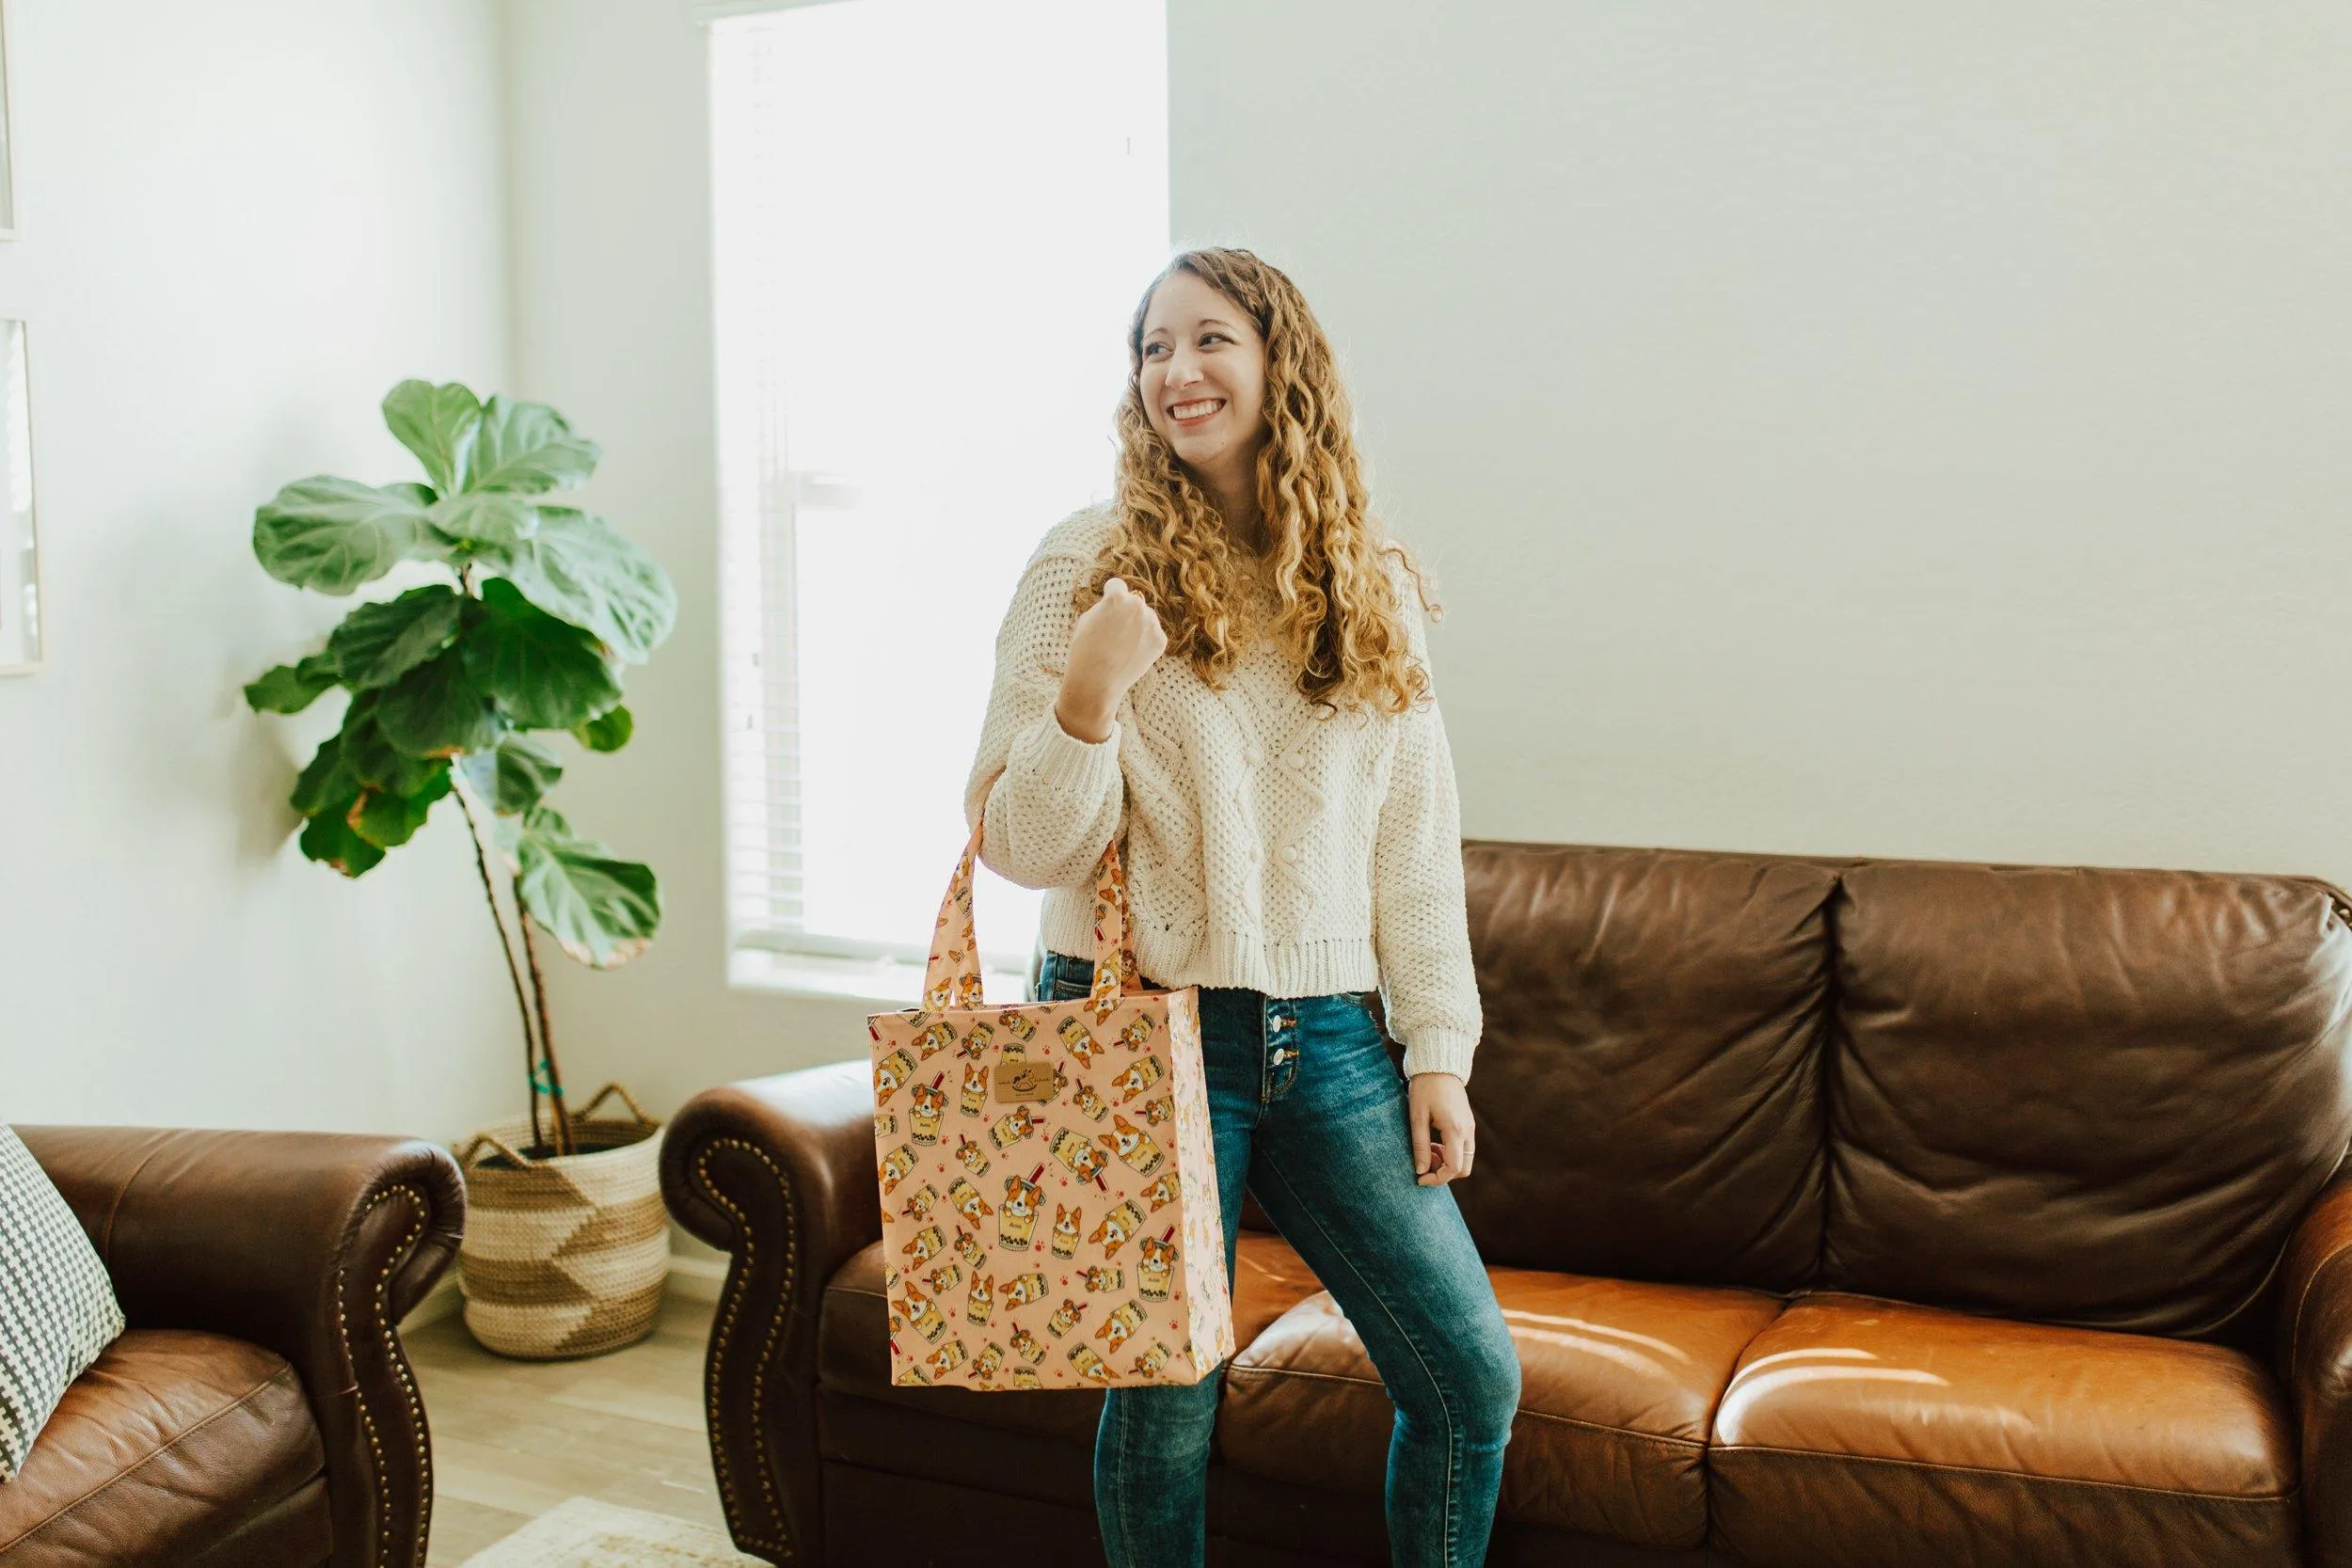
[(1337, 613)]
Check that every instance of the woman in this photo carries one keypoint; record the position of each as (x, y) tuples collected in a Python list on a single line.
[(1292, 840)]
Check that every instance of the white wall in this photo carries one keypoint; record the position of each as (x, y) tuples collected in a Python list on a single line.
[(243, 222), (1888, 430), (1836, 428)]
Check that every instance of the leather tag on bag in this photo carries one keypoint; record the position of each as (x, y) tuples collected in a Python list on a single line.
[(1024, 1081)]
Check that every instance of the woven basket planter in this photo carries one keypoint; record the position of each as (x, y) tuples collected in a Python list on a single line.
[(567, 1256)]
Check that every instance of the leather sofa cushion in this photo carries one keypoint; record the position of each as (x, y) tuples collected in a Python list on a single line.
[(1858, 1431), (170, 1444), (1618, 1385), (1648, 1091), (853, 1343), (2080, 1095)]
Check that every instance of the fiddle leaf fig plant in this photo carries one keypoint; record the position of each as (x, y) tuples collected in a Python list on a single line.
[(545, 608)]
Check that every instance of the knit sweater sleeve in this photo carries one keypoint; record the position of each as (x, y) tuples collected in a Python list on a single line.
[(1051, 800), (1420, 917)]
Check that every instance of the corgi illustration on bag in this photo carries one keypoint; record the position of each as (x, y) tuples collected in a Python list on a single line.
[(1080, 1040), (1118, 1229), (892, 1073), (1013, 1126), (1121, 1324), (1157, 1265), (1083, 1159), (924, 1313), (1138, 1078), (968, 1202), (1133, 1146), (1018, 1214), (924, 1247), (931, 1103)]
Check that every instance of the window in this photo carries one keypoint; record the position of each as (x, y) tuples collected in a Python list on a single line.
[(931, 220)]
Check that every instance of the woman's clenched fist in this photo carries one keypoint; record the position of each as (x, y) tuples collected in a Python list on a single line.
[(1116, 638)]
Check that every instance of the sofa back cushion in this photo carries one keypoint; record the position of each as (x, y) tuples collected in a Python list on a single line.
[(1647, 1087), (2086, 1096)]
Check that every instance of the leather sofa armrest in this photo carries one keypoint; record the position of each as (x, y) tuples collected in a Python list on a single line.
[(314, 1245), (2313, 1355), (780, 1173)]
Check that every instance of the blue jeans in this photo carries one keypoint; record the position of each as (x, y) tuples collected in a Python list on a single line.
[(1308, 1110)]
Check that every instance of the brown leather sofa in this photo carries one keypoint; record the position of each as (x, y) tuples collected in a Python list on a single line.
[(1846, 1213), (258, 1411)]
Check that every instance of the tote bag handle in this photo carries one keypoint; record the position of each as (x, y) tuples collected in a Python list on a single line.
[(952, 978)]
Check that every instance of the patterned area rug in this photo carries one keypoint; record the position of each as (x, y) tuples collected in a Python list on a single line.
[(586, 1533)]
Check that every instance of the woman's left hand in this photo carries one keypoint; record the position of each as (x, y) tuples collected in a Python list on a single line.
[(1440, 1108)]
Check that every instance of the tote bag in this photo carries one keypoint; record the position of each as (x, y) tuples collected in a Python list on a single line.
[(1049, 1195)]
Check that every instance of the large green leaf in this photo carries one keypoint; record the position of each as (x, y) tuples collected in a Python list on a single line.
[(479, 518), (291, 688), (375, 763), (513, 776), (578, 569), (333, 534), (436, 710), (603, 911), (548, 674), (377, 644), (608, 731), (387, 820), (328, 837), (527, 447), (326, 780), (439, 424)]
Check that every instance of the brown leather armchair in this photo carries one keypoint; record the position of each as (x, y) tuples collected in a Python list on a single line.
[(1847, 1214), (258, 1410)]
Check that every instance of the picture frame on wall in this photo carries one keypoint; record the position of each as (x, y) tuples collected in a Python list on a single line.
[(8, 130), (23, 638)]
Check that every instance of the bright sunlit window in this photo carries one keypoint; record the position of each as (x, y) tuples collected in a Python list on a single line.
[(931, 220)]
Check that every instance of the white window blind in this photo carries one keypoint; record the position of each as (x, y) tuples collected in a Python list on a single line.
[(932, 219)]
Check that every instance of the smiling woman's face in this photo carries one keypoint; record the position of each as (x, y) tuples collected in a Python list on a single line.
[(1203, 361)]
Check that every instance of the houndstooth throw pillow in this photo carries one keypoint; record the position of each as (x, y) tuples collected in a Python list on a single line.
[(58, 1307)]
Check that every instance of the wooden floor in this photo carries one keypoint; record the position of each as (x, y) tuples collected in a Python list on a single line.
[(512, 1439)]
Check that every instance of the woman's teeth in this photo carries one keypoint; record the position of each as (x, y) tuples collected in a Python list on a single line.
[(1194, 410)]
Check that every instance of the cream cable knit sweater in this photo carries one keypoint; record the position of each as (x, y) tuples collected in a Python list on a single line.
[(1269, 845)]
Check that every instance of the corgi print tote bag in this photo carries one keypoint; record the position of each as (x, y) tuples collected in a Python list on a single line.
[(1049, 1195)]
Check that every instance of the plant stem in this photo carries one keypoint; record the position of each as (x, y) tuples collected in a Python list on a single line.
[(506, 951), (547, 1040)]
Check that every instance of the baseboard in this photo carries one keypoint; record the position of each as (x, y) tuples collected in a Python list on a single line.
[(442, 1301), (698, 1279)]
